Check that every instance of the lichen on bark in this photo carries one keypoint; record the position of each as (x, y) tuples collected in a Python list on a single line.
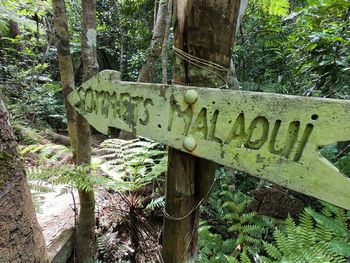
[(21, 239)]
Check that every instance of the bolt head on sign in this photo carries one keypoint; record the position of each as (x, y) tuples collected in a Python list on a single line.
[(189, 144), (191, 96), (272, 136)]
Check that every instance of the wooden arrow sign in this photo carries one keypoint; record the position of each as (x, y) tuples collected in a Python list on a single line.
[(274, 137)]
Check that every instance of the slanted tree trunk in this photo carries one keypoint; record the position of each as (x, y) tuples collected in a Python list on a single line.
[(21, 239), (65, 66), (85, 231), (206, 30), (153, 52)]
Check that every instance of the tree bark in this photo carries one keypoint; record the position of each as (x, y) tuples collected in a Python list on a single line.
[(206, 30), (152, 54), (15, 31), (85, 232), (65, 66), (164, 53), (21, 239), (122, 37)]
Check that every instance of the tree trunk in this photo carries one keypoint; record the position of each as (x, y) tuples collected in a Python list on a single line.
[(121, 36), (65, 66), (205, 30), (85, 232), (152, 54), (164, 54), (21, 239), (154, 51)]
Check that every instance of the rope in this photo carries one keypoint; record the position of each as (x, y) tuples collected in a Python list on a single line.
[(174, 218), (208, 66)]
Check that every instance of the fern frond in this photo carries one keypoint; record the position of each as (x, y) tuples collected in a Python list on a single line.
[(156, 203), (244, 257), (140, 161), (272, 250)]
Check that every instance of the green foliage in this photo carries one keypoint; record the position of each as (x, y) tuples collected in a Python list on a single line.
[(319, 237), (342, 162), (52, 152), (80, 177), (275, 7), (40, 104), (234, 234), (51, 171), (130, 165), (213, 249), (19, 11), (156, 203), (320, 46), (305, 53), (140, 161), (124, 34), (247, 227)]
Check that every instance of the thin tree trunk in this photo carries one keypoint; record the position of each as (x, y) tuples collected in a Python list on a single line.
[(164, 54), (121, 35), (15, 31), (85, 232), (21, 239), (147, 71), (204, 29), (65, 66)]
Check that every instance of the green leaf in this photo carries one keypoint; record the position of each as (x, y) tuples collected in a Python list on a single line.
[(329, 152), (343, 164), (328, 222), (231, 259), (340, 247)]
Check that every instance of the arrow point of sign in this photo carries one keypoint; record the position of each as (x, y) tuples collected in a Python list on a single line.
[(329, 184)]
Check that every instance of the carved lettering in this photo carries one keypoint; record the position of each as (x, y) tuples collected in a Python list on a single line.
[(146, 103), (201, 125), (257, 141), (291, 138), (283, 140), (237, 132), (186, 115), (137, 104), (116, 106), (89, 102), (304, 139), (212, 128)]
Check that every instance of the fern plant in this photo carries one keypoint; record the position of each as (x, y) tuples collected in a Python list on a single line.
[(247, 227), (213, 248), (140, 161), (319, 237), (228, 216), (48, 153)]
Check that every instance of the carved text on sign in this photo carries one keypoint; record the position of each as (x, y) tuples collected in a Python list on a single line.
[(259, 132), (271, 136)]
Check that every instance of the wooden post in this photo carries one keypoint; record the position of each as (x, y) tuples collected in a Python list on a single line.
[(204, 31)]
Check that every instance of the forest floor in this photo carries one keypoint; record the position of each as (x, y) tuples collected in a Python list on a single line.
[(118, 240), (55, 213), (126, 234), (125, 231)]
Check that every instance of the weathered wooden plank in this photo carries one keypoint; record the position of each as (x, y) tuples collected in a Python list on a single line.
[(271, 136)]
